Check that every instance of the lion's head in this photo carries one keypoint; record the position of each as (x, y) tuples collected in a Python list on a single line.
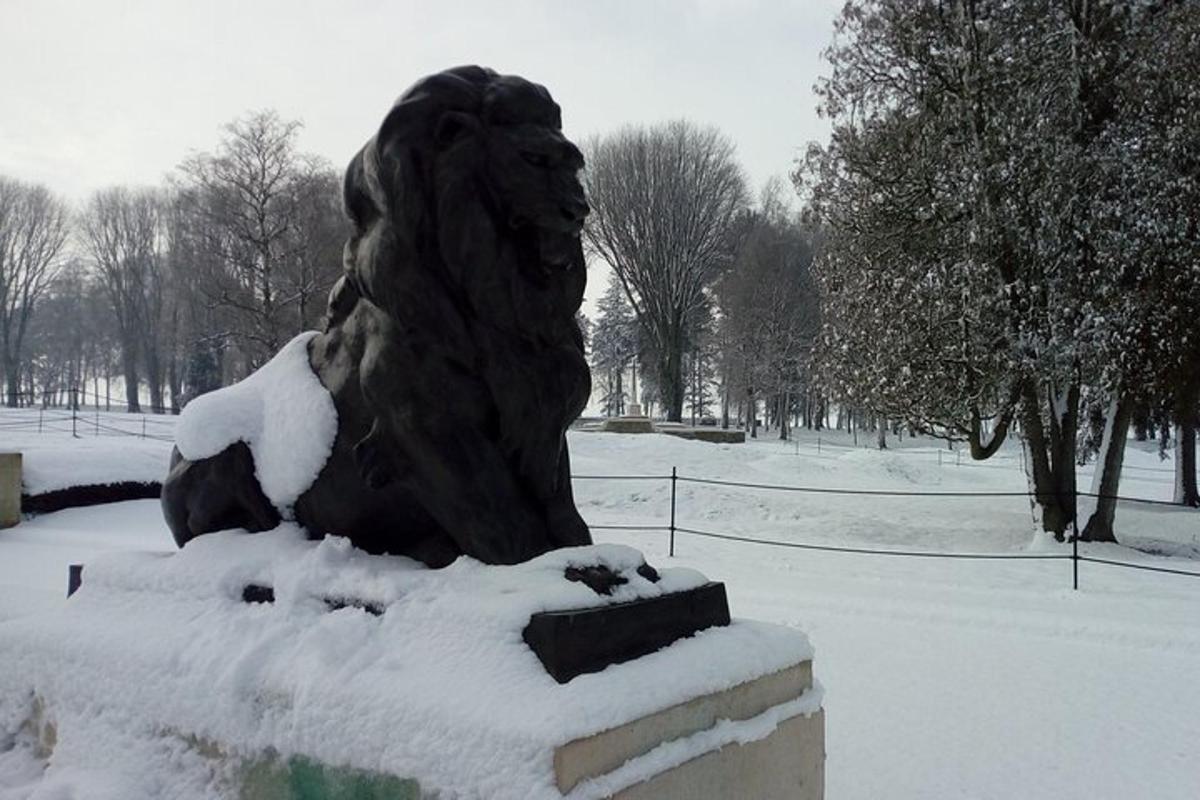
[(471, 169)]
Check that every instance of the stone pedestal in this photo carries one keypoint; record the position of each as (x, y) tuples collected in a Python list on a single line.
[(346, 675), (10, 489)]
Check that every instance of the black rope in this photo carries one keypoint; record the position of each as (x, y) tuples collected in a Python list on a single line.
[(1145, 567), (124, 432), (620, 477), (876, 492), (910, 493), (868, 551), (629, 527)]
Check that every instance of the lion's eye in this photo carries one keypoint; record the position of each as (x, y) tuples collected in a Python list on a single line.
[(536, 159)]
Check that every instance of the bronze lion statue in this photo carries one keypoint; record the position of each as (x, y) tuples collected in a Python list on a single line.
[(450, 346)]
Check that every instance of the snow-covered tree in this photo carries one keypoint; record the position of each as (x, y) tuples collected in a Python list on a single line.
[(970, 273), (614, 340)]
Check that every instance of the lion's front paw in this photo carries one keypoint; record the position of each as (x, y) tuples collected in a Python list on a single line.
[(374, 463)]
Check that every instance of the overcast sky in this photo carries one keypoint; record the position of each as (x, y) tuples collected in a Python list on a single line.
[(98, 92)]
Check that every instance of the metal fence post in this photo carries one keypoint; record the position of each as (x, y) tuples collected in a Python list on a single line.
[(674, 480), (40, 412), (818, 445), (143, 426), (1075, 549)]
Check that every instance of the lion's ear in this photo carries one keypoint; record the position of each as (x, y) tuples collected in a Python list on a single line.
[(454, 124)]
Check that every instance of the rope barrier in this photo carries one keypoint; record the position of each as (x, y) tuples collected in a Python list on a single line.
[(621, 477), (911, 493), (629, 527), (825, 490), (870, 551), (1145, 567)]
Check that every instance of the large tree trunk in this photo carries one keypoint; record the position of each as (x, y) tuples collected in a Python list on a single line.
[(783, 416), (1099, 526), (751, 414), (671, 388), (154, 379), (1142, 426), (175, 383), (130, 369), (1051, 455), (1185, 465), (12, 383), (881, 434), (634, 400), (1187, 401)]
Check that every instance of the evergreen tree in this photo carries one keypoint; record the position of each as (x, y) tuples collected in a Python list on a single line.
[(614, 346)]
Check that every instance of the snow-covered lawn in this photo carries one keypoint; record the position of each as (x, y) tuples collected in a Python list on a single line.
[(944, 678), (60, 451)]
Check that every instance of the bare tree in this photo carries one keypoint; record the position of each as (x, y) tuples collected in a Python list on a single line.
[(123, 231), (769, 315), (664, 203), (33, 230), (272, 226)]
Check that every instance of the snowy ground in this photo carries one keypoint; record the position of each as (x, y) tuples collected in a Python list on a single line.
[(944, 678), (60, 449)]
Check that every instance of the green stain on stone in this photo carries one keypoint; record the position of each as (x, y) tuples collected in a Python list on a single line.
[(300, 778)]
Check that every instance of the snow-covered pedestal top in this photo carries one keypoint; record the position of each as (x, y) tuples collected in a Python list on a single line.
[(158, 651)]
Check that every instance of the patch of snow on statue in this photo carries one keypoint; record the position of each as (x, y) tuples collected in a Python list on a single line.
[(281, 411)]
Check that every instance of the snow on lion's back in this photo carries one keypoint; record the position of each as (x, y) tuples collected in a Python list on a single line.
[(281, 411)]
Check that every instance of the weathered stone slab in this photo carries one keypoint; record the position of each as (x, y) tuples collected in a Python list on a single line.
[(787, 765), (628, 425), (607, 750), (714, 435), (10, 489)]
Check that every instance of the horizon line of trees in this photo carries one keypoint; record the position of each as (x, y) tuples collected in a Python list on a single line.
[(173, 290)]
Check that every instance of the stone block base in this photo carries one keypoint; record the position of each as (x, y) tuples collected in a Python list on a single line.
[(10, 489), (788, 763), (714, 435), (628, 425)]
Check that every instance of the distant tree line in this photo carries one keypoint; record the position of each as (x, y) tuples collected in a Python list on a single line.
[(711, 307), (163, 293)]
